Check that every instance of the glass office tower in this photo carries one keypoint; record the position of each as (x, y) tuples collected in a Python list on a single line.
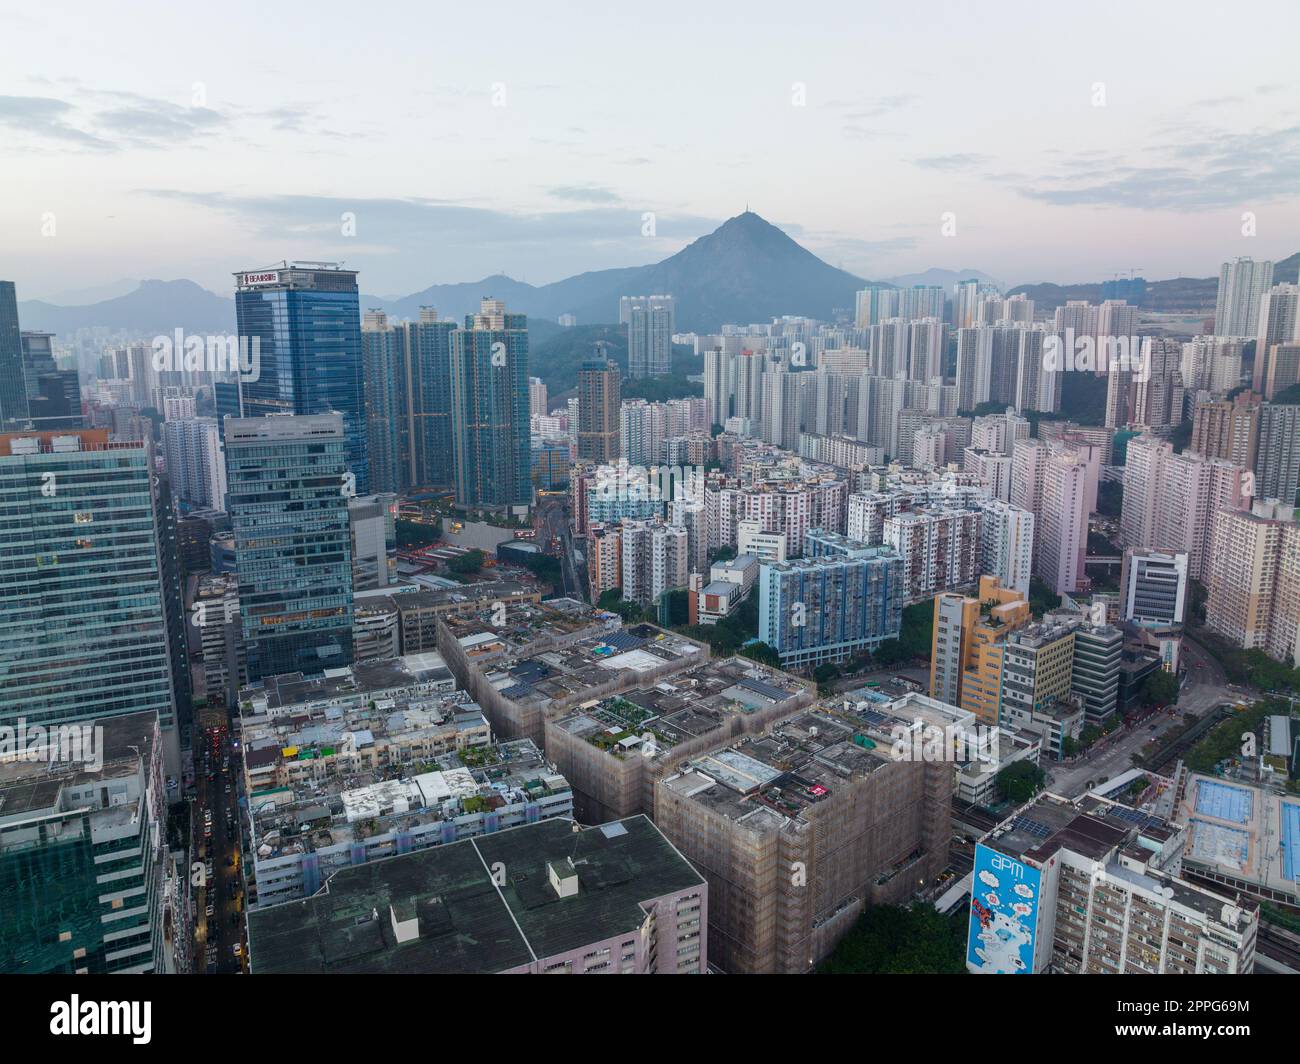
[(287, 494), (83, 616), (489, 400), (13, 398), (53, 394), (306, 321), (381, 356), (426, 400), (81, 887)]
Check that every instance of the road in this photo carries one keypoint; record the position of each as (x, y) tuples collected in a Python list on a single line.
[(554, 519), (218, 848), (1204, 687)]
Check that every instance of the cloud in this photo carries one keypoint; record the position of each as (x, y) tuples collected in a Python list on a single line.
[(107, 120), (159, 124), (401, 239), (585, 195), (47, 118), (956, 161), (855, 113), (1210, 172), (876, 107)]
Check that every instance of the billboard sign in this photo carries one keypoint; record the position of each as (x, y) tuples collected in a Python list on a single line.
[(1003, 914)]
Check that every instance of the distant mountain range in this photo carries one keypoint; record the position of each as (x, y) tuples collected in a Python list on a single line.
[(747, 270), (154, 307), (1190, 294), (943, 278)]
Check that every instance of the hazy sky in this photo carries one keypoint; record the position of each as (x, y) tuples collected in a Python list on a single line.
[(181, 140)]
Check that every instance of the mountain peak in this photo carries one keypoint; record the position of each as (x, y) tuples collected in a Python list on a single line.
[(751, 227)]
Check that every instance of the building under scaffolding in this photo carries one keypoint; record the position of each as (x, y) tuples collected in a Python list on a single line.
[(798, 829)]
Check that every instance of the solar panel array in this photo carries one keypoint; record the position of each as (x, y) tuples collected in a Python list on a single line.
[(1031, 827), (624, 641)]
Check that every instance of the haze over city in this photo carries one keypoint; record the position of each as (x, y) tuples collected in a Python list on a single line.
[(181, 143)]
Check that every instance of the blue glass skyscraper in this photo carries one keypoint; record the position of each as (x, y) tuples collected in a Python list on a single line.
[(85, 631), (381, 355), (13, 397), (428, 442), (306, 320), (287, 495), (489, 400)]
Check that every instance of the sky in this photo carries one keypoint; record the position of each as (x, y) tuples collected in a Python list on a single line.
[(435, 143)]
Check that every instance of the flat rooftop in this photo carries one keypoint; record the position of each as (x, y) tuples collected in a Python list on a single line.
[(319, 729), (118, 744), (565, 673), (325, 812), (1104, 830), (461, 596), (1243, 832), (768, 781), (466, 922), (291, 689), (486, 630), (1031, 831), (681, 707)]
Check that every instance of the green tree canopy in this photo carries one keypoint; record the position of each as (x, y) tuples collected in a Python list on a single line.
[(1020, 781)]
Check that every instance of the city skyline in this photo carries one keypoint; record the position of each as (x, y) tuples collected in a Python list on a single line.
[(771, 525)]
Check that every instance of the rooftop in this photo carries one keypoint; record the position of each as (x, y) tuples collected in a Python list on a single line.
[(456, 918), (681, 708), (1243, 832), (1136, 847), (89, 753), (323, 812), (275, 695), (566, 669), (768, 781)]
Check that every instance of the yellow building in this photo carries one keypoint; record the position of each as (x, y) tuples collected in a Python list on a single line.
[(966, 646)]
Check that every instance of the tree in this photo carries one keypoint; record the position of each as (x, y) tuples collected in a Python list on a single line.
[(418, 533), (545, 567), (824, 674), (1160, 689), (762, 653), (612, 600), (1110, 498), (679, 606), (660, 389), (897, 939), (918, 629), (1041, 597), (1020, 781), (891, 652), (466, 564)]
